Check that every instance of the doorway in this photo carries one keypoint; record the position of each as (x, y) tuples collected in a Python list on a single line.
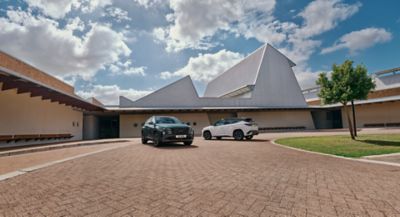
[(108, 127)]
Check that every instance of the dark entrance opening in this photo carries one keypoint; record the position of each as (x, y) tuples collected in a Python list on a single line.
[(327, 119), (108, 127)]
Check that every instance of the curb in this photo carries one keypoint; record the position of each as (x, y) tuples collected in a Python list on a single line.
[(37, 167), (335, 156), (50, 147)]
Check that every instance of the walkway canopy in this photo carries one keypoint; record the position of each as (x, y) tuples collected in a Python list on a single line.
[(23, 84)]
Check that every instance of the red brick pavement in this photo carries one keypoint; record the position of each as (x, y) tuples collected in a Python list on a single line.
[(214, 178)]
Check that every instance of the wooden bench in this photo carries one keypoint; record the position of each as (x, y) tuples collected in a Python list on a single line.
[(375, 125), (26, 137), (65, 136), (282, 128), (392, 124), (6, 137), (48, 136)]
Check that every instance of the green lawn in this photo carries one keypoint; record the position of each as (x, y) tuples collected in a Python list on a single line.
[(344, 146)]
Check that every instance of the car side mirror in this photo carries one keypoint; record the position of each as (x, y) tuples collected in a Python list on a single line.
[(152, 123)]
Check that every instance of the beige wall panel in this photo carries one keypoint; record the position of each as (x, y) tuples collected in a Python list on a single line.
[(22, 114), (127, 128), (280, 118), (388, 112)]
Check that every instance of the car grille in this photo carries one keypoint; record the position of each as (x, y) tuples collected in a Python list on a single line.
[(180, 131)]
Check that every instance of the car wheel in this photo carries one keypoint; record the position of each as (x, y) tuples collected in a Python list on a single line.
[(249, 137), (188, 143), (144, 141), (157, 141), (238, 135), (219, 138), (207, 135)]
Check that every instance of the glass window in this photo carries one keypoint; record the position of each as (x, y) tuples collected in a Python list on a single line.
[(167, 120), (219, 123)]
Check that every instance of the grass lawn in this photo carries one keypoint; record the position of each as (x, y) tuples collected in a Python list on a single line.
[(344, 146)]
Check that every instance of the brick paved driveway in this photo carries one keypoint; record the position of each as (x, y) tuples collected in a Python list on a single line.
[(214, 178)]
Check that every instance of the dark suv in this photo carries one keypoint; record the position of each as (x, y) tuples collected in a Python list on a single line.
[(165, 129)]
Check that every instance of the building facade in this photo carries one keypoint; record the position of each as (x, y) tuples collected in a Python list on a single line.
[(38, 108)]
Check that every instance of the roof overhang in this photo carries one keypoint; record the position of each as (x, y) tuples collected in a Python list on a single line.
[(239, 91), (197, 109), (23, 84)]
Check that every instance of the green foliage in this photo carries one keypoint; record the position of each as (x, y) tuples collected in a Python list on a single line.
[(345, 83), (344, 146)]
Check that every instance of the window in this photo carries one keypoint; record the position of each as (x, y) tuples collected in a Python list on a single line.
[(167, 120), (73, 123), (194, 123), (135, 125), (219, 123)]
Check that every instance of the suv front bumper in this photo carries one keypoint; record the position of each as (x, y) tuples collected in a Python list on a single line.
[(172, 138), (252, 133)]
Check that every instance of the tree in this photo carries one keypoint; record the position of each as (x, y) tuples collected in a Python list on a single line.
[(345, 84)]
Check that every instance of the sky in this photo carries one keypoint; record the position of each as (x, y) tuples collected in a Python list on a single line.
[(108, 48)]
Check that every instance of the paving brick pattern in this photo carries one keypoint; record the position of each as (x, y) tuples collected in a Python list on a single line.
[(213, 178)]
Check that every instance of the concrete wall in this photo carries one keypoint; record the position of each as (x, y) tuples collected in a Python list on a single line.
[(290, 118), (22, 114), (388, 112), (90, 127), (128, 129)]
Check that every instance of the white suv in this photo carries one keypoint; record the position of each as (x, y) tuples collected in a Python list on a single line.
[(238, 128)]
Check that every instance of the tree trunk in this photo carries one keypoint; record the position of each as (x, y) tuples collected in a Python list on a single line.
[(346, 110)]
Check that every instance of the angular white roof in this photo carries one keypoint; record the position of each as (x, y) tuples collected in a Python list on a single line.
[(241, 75), (267, 71)]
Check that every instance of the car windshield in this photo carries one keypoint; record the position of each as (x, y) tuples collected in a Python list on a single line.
[(167, 120)]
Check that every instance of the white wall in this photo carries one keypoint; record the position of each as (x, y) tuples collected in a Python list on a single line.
[(22, 114)]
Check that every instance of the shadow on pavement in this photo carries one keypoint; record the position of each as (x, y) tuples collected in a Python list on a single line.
[(173, 146)]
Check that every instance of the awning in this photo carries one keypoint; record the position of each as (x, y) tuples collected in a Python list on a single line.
[(23, 84)]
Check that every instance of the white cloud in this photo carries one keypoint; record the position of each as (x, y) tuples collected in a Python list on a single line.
[(205, 67), (75, 24), (252, 19), (109, 94), (148, 3), (88, 6), (323, 15), (126, 68), (59, 8), (194, 22), (117, 14), (55, 9), (359, 40), (41, 42)]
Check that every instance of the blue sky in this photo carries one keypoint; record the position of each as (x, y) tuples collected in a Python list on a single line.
[(107, 48)]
